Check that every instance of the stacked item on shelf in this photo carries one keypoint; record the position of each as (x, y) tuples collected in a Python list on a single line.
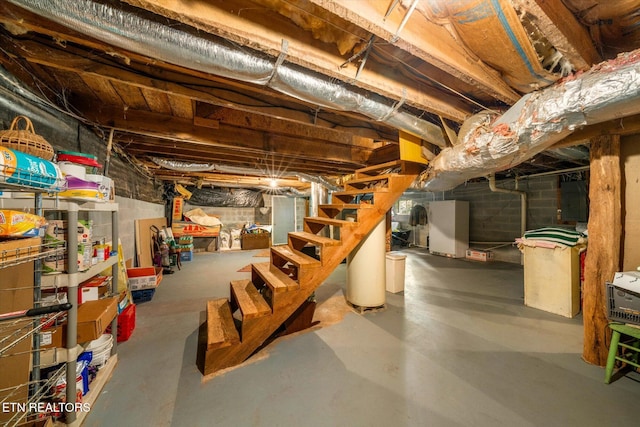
[(14, 224), (143, 282), (15, 294), (56, 234), (25, 158), (83, 181), (184, 248)]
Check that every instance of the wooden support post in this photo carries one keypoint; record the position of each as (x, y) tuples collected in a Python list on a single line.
[(605, 235)]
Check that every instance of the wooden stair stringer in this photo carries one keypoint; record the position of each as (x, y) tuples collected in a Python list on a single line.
[(312, 277)]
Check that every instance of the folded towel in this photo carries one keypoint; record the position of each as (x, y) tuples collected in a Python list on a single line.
[(557, 235)]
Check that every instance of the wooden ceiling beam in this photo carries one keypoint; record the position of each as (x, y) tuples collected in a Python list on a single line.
[(225, 179), (94, 73), (177, 129), (142, 146), (625, 126), (222, 19), (424, 39)]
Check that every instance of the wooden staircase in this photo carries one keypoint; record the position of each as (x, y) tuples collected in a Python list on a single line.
[(279, 287)]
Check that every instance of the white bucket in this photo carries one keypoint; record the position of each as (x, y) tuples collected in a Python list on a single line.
[(101, 349)]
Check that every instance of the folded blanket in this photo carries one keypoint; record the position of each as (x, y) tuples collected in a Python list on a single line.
[(561, 236)]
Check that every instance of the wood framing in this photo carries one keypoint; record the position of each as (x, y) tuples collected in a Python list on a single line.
[(603, 253)]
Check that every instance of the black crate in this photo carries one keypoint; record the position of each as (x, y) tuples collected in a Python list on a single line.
[(142, 295), (623, 305)]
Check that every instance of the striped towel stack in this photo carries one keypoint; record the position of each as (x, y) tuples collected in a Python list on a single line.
[(559, 236)]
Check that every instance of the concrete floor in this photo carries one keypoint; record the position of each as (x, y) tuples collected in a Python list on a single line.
[(457, 348)]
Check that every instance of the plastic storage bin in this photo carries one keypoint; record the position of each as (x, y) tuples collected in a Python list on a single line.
[(143, 295), (395, 266)]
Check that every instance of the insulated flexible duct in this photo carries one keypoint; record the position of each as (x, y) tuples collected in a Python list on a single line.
[(610, 90), (127, 28)]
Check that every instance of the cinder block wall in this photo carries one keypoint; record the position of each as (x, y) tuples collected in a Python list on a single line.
[(495, 217)]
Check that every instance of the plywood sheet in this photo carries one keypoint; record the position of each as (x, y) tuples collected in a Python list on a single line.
[(144, 243), (630, 156)]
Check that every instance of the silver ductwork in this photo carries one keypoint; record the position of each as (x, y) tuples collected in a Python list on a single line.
[(610, 90), (127, 28), (180, 166)]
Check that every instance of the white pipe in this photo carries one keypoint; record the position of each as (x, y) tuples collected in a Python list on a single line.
[(523, 201)]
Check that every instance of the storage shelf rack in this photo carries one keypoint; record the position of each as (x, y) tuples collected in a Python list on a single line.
[(33, 184)]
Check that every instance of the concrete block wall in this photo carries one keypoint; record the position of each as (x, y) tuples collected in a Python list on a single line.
[(495, 217), (230, 217), (129, 210)]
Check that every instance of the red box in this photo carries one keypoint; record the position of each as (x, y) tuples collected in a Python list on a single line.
[(126, 323)]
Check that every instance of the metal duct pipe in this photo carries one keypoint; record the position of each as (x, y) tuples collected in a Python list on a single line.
[(210, 167), (523, 200), (610, 90), (127, 28)]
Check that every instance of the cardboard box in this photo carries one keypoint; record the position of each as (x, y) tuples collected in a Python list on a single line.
[(255, 240), (55, 337), (88, 293), (176, 211), (16, 293), (57, 231), (94, 317), (479, 255), (58, 263), (10, 249), (144, 277)]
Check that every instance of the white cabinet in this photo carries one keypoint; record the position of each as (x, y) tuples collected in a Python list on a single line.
[(552, 279), (449, 228)]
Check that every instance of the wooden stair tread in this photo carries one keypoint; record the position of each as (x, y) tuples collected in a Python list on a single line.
[(274, 278), (356, 191), (370, 178), (314, 238), (373, 169), (345, 206), (330, 221), (221, 329), (295, 257), (249, 300)]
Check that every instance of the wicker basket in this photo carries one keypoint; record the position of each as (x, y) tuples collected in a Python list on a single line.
[(26, 140)]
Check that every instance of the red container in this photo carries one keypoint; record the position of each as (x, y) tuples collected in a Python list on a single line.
[(126, 323)]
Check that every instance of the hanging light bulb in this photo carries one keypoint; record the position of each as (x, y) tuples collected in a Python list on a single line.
[(273, 183)]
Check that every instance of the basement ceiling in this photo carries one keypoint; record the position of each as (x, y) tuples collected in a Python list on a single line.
[(234, 92)]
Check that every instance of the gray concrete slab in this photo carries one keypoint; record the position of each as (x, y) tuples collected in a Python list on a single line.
[(456, 348)]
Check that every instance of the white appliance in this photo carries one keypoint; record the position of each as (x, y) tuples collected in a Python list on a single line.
[(449, 228)]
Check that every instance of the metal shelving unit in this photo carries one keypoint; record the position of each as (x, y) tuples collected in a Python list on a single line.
[(29, 183)]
